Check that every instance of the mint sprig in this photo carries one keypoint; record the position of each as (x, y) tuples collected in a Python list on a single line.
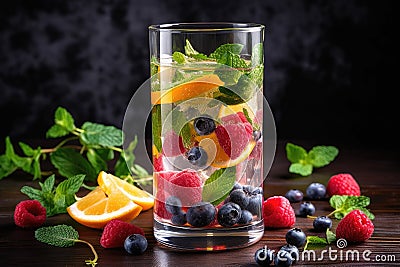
[(87, 150), (55, 199), (316, 242), (303, 162), (63, 236), (343, 205), (217, 187)]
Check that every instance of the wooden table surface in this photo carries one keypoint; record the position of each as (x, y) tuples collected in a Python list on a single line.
[(377, 171)]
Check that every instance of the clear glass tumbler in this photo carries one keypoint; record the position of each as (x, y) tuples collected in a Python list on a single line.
[(207, 116)]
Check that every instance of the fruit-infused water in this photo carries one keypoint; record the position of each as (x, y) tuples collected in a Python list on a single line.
[(207, 141)]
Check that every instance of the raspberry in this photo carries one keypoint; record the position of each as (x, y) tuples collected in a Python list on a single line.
[(355, 227), (158, 163), (29, 214), (343, 184), (278, 213), (116, 231), (234, 138)]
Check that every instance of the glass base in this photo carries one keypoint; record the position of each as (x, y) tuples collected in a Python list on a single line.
[(208, 239)]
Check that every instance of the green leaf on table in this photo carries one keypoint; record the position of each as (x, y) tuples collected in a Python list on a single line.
[(69, 163), (321, 156), (99, 134), (345, 204), (98, 163), (55, 199), (301, 168), (330, 236), (303, 162), (218, 185), (315, 242)]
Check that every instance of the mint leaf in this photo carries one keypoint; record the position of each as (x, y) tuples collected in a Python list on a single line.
[(179, 57), (321, 156), (56, 131), (257, 55), (59, 235), (28, 151), (330, 236), (99, 134), (121, 169), (65, 193), (345, 204), (315, 242), (218, 185), (302, 169), (98, 163), (256, 75), (69, 163), (6, 166), (295, 153), (223, 49), (227, 74)]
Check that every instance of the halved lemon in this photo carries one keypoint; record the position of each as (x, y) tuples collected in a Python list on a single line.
[(187, 90), (110, 183), (233, 162), (96, 209), (226, 110)]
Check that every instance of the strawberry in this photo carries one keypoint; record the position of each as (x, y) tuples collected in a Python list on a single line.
[(29, 214), (278, 213), (355, 227), (116, 231), (343, 184)]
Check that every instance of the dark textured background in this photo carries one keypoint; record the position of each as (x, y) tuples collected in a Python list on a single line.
[(331, 66)]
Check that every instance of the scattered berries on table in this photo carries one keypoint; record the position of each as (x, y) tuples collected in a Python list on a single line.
[(116, 231), (294, 195), (200, 214), (204, 125), (316, 191), (322, 223), (343, 184), (264, 256), (355, 227), (278, 213), (296, 237), (306, 208), (293, 251), (29, 214), (283, 259), (229, 214), (135, 244)]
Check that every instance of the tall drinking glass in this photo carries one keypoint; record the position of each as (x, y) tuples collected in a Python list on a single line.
[(207, 116)]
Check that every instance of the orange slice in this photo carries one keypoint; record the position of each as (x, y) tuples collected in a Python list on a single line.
[(96, 209), (187, 90), (232, 109), (233, 162), (110, 183)]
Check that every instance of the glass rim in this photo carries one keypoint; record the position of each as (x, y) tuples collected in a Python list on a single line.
[(207, 27)]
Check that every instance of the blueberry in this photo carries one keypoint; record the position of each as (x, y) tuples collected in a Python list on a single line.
[(200, 214), (204, 125), (237, 186), (295, 237), (294, 195), (322, 223), (135, 244), (283, 259), (256, 135), (257, 190), (229, 214), (264, 256), (179, 219), (173, 205), (197, 156), (248, 189), (246, 217), (255, 204), (293, 251), (239, 197), (306, 208), (316, 191)]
